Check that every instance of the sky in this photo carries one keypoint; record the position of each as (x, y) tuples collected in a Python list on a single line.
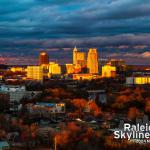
[(118, 28)]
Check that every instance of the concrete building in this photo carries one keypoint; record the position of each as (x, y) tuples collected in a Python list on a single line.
[(86, 76), (46, 108), (138, 80), (54, 68), (35, 73), (108, 71), (70, 68), (102, 62), (79, 58), (17, 92), (92, 61), (43, 58), (77, 68), (17, 69)]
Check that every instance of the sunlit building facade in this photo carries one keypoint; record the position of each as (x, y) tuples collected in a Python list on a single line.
[(54, 68), (43, 58), (85, 76), (35, 73), (69, 68), (79, 58), (108, 71), (17, 69), (138, 80), (92, 61), (77, 68)]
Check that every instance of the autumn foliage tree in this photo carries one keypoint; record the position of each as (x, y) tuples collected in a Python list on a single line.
[(147, 105), (94, 109), (133, 113), (73, 134)]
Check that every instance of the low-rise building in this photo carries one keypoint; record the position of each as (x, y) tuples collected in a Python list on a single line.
[(46, 108), (35, 73), (17, 92), (85, 76), (17, 69), (69, 68), (4, 145), (108, 71), (138, 80), (54, 68)]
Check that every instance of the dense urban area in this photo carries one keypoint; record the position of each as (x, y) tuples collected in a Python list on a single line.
[(72, 106)]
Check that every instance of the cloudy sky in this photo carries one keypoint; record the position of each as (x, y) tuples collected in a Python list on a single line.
[(118, 28)]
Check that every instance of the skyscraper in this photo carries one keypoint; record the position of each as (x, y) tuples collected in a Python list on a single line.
[(79, 58), (75, 53), (92, 61), (43, 58)]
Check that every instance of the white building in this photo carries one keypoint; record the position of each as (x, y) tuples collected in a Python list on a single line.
[(17, 92)]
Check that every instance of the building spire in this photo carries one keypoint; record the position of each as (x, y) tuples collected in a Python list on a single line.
[(75, 49)]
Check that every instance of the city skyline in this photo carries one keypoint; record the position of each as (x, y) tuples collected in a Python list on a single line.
[(117, 28)]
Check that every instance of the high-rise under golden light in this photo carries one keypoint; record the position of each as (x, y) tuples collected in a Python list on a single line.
[(92, 61), (43, 58), (79, 58)]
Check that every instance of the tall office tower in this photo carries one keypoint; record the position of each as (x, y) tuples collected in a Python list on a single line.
[(79, 58), (35, 73), (92, 61), (75, 52), (43, 58)]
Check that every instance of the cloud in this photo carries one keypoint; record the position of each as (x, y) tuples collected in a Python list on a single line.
[(121, 41), (27, 26)]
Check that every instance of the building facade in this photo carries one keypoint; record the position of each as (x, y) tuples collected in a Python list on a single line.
[(138, 80), (69, 68), (54, 68), (92, 61), (43, 58), (79, 58), (108, 71), (35, 73)]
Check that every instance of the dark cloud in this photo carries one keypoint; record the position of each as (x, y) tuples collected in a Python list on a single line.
[(102, 41), (30, 25)]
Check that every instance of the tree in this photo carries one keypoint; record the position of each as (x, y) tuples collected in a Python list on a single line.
[(4, 102), (147, 105), (80, 105), (133, 113), (94, 109)]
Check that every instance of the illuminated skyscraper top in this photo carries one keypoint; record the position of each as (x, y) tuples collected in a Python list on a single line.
[(43, 58), (75, 53), (79, 58), (92, 61)]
